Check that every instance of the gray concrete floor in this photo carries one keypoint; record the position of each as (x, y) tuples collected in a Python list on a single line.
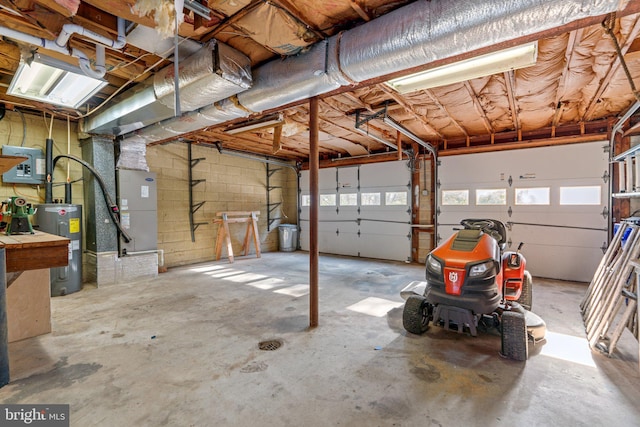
[(182, 350)]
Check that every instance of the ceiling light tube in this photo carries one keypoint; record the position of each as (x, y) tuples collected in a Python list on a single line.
[(266, 122), (484, 65)]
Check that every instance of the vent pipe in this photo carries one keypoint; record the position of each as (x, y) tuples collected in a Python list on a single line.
[(60, 45), (409, 37)]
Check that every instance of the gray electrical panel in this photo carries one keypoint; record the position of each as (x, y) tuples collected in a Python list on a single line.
[(31, 171), (138, 203)]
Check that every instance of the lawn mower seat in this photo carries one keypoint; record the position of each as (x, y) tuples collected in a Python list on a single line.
[(497, 229), (502, 231)]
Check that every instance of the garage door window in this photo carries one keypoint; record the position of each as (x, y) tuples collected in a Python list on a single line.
[(349, 199), (533, 196), (585, 195), (370, 199), (327, 200), (496, 196), (395, 198), (455, 197), (306, 200)]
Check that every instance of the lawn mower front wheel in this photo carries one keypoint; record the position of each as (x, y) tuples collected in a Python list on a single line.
[(416, 314), (515, 344)]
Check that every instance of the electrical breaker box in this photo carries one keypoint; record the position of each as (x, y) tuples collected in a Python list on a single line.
[(31, 171)]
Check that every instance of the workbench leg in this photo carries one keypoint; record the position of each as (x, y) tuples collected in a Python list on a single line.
[(256, 237), (219, 240), (228, 239), (4, 330), (245, 245)]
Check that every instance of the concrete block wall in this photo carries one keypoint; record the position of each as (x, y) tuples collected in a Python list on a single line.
[(231, 184)]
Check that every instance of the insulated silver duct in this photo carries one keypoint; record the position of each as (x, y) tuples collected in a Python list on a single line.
[(296, 78), (412, 36), (219, 112), (427, 31), (215, 72)]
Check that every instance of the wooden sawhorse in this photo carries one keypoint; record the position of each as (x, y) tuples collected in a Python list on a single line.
[(224, 218)]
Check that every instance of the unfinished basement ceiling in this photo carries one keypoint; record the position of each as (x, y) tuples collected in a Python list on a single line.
[(573, 93)]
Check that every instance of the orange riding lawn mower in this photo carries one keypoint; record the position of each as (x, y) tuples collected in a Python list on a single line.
[(471, 283)]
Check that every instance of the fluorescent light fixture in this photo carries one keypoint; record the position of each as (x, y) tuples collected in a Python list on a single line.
[(265, 122), (52, 81), (484, 65)]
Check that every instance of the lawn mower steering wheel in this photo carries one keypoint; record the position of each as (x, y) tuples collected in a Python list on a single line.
[(486, 225)]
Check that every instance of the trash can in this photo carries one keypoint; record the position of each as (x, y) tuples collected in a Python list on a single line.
[(288, 237)]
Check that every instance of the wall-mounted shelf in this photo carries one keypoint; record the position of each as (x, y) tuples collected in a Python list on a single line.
[(193, 207), (628, 166), (626, 195), (272, 216), (630, 152)]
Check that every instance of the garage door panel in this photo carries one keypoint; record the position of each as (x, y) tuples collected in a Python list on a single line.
[(304, 235), (347, 239), (382, 247), (536, 235), (384, 174), (384, 229), (327, 180), (348, 179), (376, 231), (562, 219), (552, 261), (570, 251)]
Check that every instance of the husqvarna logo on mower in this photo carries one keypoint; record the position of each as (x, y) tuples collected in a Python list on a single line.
[(453, 276), (453, 280)]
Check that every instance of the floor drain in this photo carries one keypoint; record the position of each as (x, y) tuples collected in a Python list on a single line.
[(270, 345)]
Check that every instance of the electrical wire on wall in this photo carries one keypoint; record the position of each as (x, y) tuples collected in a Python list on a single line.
[(112, 208), (67, 187), (68, 148), (24, 127)]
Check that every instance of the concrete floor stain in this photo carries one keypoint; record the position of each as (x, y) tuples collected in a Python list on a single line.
[(254, 367), (428, 373), (61, 376)]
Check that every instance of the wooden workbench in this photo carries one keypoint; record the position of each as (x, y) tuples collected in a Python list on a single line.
[(28, 294), (34, 251)]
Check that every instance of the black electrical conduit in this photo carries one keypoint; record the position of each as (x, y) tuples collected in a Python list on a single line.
[(112, 207)]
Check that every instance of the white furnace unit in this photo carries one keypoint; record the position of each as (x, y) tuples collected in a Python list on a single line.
[(138, 203)]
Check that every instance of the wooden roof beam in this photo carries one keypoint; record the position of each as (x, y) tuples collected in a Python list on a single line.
[(299, 15), (442, 108), (615, 65), (479, 109), (360, 10), (509, 83), (325, 103), (574, 41), (410, 109)]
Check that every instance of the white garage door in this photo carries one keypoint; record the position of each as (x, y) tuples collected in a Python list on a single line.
[(554, 199), (364, 211)]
